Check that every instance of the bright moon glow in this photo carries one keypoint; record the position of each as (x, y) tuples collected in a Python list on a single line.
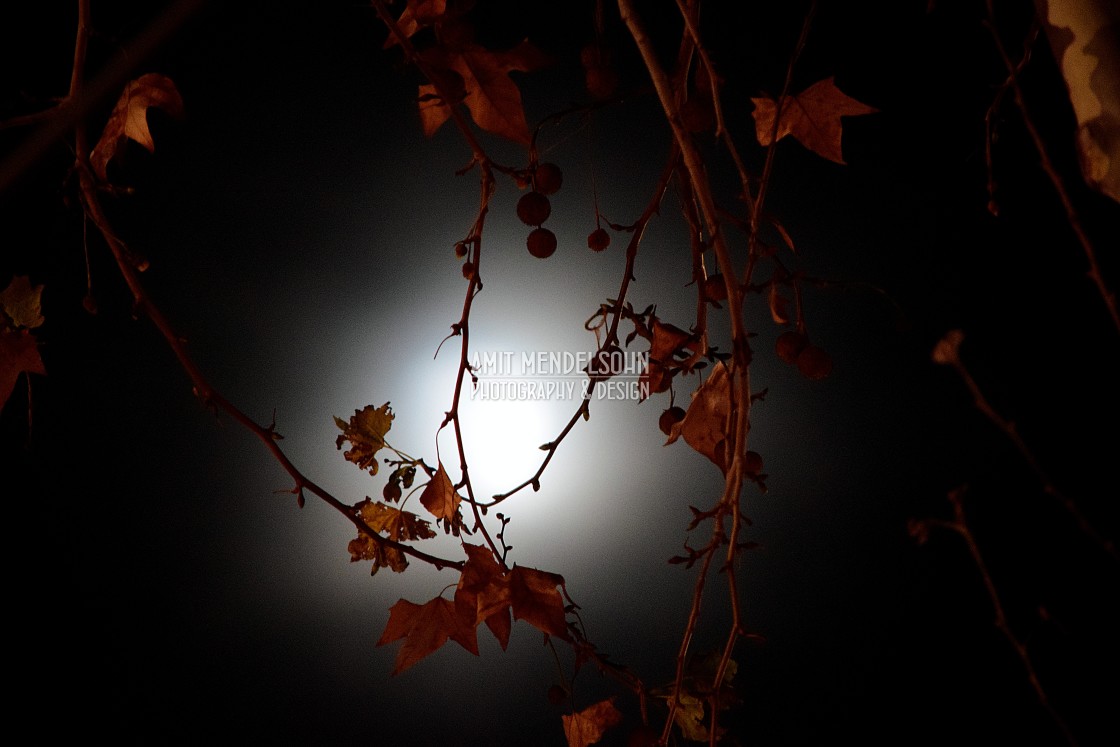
[(503, 439)]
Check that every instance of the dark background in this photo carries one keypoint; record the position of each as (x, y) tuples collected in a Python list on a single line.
[(300, 229)]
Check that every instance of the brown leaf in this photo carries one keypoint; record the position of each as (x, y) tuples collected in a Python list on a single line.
[(19, 353), (366, 434), (587, 726), (396, 524), (425, 629), (665, 340), (492, 97), (500, 625), (483, 593), (364, 547), (535, 600), (812, 116), (705, 424), (129, 118), (21, 303), (440, 497)]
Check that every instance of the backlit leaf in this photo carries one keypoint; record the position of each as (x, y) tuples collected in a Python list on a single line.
[(366, 434), (491, 96), (483, 593), (425, 629), (398, 525), (364, 547), (812, 116), (704, 426), (587, 726), (534, 598), (665, 340), (129, 118), (440, 497)]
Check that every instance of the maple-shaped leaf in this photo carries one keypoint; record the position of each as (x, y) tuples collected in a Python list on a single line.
[(425, 629), (366, 434), (491, 96), (812, 116), (483, 593), (704, 426), (129, 118), (22, 303), (364, 547), (396, 524), (587, 726), (535, 599), (440, 497)]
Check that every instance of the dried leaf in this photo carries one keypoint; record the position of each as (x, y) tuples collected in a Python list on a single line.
[(364, 547), (483, 593), (440, 497), (366, 434), (425, 629), (689, 715), (22, 303), (129, 118), (492, 97), (535, 600), (665, 340), (398, 525), (812, 116), (587, 726), (705, 423)]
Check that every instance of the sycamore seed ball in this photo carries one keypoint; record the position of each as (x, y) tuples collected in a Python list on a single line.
[(669, 418), (533, 208), (541, 243), (548, 178), (598, 240)]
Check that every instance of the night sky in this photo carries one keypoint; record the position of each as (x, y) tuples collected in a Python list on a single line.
[(165, 589)]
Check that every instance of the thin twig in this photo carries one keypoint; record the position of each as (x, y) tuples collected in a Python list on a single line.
[(738, 424), (947, 352), (990, 116), (960, 526)]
